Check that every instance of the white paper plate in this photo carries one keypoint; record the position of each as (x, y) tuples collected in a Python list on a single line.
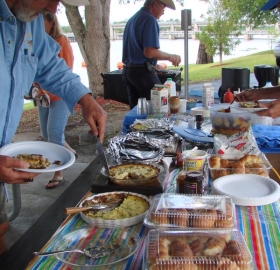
[(116, 222), (237, 106), (247, 189), (51, 151)]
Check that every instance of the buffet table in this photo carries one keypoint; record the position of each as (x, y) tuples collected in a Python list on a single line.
[(259, 226)]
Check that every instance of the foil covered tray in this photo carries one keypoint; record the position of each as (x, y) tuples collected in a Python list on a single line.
[(131, 148)]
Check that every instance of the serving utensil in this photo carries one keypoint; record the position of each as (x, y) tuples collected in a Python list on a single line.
[(102, 155), (93, 252), (109, 206)]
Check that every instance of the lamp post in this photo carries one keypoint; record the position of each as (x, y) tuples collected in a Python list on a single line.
[(186, 24)]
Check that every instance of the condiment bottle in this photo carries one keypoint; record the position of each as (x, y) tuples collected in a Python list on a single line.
[(194, 182), (228, 96), (199, 120)]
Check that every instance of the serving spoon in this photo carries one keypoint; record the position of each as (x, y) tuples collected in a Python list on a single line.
[(93, 252), (109, 206)]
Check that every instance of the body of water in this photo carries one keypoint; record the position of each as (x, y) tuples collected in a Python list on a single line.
[(246, 47)]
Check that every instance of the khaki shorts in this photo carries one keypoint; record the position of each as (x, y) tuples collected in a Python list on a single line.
[(3, 213)]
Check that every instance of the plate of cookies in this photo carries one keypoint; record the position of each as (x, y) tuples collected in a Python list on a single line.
[(191, 211)]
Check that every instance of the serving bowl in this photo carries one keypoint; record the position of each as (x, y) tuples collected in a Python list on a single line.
[(132, 174), (229, 123), (89, 237)]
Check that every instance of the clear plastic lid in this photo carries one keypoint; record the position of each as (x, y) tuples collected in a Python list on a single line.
[(191, 211), (196, 249)]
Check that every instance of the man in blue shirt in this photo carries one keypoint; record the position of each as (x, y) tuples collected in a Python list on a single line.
[(28, 54), (141, 50)]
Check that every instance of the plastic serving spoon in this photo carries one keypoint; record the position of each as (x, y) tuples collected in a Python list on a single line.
[(93, 253)]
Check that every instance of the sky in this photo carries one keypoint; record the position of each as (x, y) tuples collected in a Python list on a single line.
[(123, 12)]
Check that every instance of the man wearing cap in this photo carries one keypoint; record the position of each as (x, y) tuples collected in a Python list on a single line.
[(28, 54), (270, 5), (273, 107), (141, 50)]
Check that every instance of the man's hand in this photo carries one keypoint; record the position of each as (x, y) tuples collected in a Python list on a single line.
[(273, 109), (94, 115), (11, 176), (175, 59), (248, 95)]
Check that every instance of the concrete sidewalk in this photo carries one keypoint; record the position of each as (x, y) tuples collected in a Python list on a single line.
[(35, 199)]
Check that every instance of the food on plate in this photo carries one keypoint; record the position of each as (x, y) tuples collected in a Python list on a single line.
[(36, 161), (131, 206), (133, 171), (248, 104), (251, 164), (226, 110)]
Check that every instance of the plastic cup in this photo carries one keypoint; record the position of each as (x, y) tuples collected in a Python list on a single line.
[(174, 104), (142, 106), (195, 161)]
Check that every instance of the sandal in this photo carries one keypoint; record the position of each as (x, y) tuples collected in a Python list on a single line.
[(56, 182)]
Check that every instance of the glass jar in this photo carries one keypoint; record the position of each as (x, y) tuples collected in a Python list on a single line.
[(194, 182)]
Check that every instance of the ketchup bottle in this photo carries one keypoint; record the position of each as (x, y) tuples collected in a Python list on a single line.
[(228, 96)]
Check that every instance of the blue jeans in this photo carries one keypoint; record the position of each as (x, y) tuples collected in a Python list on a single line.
[(53, 121)]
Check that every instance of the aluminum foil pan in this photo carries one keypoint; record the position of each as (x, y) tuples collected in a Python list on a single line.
[(131, 148), (159, 137)]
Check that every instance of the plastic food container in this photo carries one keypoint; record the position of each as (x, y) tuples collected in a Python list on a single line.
[(229, 123), (191, 211), (249, 164), (204, 249)]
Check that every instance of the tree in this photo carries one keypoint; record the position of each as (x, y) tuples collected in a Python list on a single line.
[(218, 35), (93, 37)]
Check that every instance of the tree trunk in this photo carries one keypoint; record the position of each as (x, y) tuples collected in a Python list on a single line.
[(202, 56), (93, 39)]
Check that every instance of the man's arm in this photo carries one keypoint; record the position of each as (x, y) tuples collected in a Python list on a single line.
[(156, 54)]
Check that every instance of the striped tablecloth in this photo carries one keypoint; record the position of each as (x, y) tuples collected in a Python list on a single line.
[(259, 226)]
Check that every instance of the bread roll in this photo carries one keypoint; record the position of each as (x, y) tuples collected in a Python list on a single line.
[(225, 220), (232, 249), (160, 217), (179, 217), (196, 247), (214, 246), (203, 218), (163, 247), (179, 248), (250, 159), (215, 162)]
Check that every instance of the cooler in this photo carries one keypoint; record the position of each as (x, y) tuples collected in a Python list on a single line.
[(115, 89)]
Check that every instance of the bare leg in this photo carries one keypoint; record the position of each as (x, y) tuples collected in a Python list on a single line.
[(69, 148)]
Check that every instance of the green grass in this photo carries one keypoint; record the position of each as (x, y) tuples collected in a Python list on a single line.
[(207, 72), (28, 106)]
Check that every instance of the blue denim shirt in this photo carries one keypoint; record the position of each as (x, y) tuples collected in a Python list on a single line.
[(28, 54)]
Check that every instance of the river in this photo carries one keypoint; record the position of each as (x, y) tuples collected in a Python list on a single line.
[(246, 47)]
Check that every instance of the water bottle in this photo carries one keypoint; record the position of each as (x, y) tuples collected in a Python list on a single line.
[(171, 87)]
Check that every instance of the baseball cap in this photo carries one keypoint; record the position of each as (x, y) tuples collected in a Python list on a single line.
[(270, 5), (170, 4)]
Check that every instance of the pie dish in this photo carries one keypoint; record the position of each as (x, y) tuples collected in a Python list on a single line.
[(138, 205), (131, 174)]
